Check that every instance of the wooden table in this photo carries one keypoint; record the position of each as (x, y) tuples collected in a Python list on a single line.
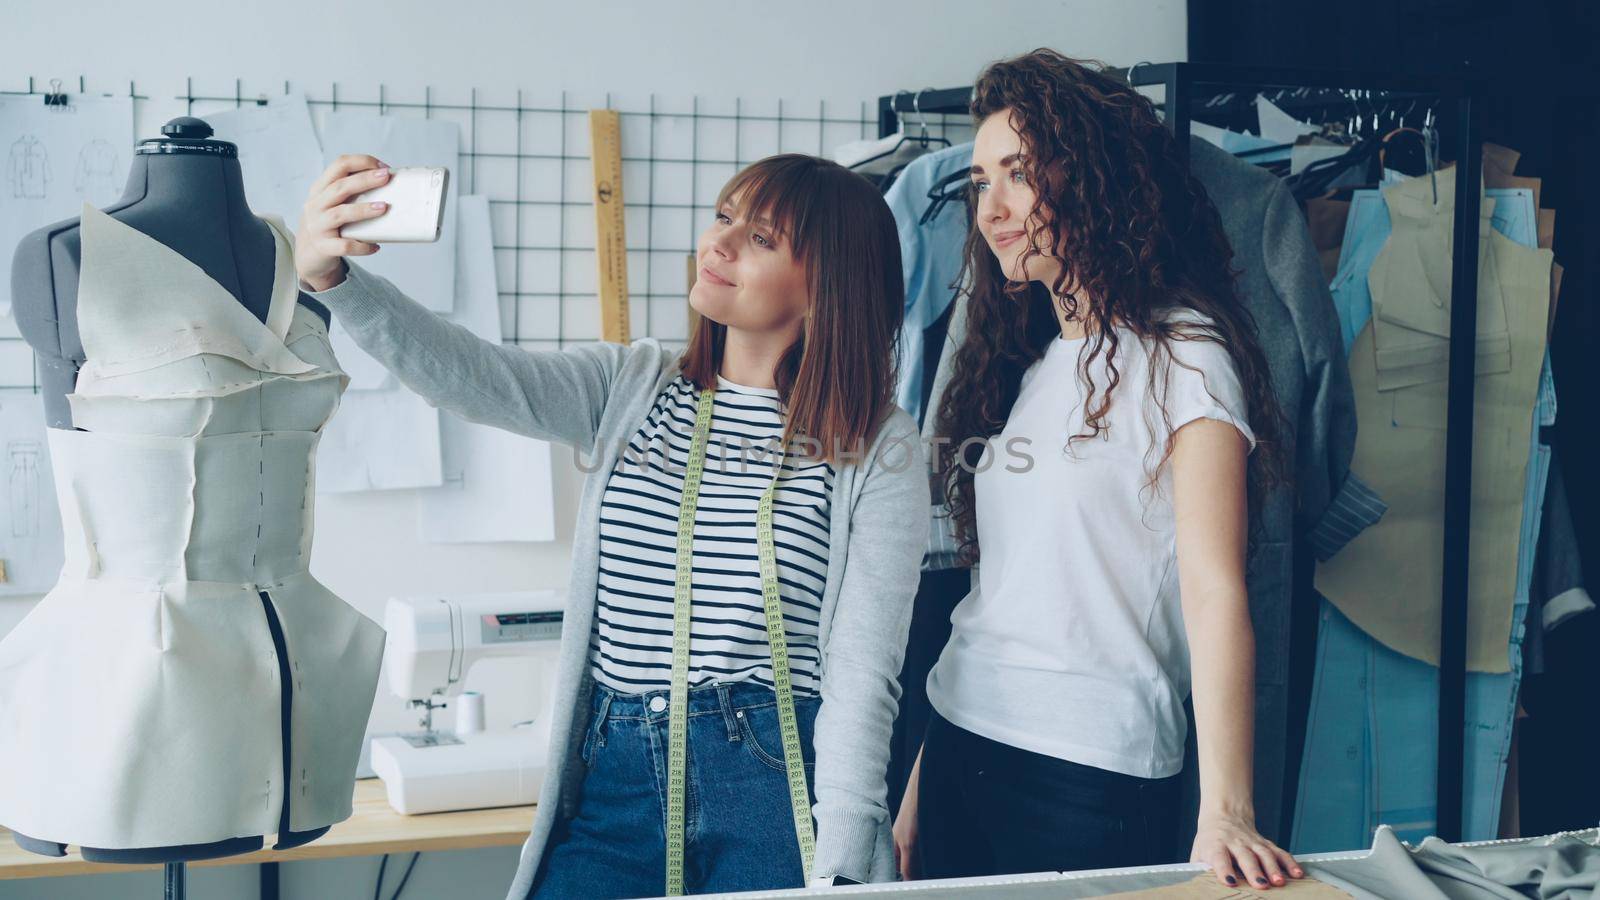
[(373, 828)]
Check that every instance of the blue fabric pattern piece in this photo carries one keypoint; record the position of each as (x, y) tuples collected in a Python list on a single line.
[(1354, 508)]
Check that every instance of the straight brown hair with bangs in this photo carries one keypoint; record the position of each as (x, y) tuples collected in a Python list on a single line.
[(836, 383)]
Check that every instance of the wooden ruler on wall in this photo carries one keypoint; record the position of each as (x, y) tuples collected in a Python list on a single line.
[(694, 273), (610, 244)]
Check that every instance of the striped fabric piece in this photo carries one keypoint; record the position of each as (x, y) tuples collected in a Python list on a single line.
[(1353, 509), (631, 646)]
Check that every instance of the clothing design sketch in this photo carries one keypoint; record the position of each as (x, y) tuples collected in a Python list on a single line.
[(28, 168), (22, 486), (187, 680), (95, 177)]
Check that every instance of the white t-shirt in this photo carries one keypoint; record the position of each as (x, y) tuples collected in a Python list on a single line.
[(1071, 643)]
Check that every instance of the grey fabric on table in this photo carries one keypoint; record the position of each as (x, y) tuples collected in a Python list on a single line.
[(1556, 867)]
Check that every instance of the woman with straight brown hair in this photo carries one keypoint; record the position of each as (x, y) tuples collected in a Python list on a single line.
[(744, 556)]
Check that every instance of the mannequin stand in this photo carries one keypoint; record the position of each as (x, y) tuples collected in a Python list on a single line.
[(186, 192)]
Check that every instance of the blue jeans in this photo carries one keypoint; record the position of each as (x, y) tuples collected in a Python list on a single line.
[(738, 825)]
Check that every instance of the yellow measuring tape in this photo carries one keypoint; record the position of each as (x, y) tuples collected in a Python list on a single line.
[(610, 244), (678, 716)]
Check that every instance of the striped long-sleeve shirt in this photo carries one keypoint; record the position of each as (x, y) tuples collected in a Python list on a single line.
[(631, 646)]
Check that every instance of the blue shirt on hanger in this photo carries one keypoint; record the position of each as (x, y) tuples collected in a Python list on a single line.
[(931, 256)]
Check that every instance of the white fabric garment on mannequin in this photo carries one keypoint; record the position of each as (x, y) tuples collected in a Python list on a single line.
[(140, 700)]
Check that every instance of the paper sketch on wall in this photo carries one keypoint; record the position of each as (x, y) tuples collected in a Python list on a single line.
[(16, 357), (22, 487), (278, 153), (378, 441), (496, 484), (55, 159), (96, 176), (28, 168), (426, 272), (30, 543), (385, 439)]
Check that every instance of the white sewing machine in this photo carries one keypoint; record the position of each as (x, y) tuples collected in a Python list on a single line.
[(432, 643)]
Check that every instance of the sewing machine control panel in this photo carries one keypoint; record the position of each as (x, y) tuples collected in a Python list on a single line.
[(501, 628)]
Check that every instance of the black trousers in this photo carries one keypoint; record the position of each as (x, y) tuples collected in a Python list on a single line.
[(987, 808), (938, 593)]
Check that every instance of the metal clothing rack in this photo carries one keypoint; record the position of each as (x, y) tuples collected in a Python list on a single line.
[(1201, 86), (928, 101), (1189, 84)]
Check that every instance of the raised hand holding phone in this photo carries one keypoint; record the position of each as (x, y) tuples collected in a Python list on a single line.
[(415, 213)]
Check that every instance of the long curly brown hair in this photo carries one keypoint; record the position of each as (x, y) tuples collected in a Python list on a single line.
[(1137, 237)]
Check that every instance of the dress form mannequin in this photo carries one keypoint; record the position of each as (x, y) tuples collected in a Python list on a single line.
[(183, 190), (187, 193)]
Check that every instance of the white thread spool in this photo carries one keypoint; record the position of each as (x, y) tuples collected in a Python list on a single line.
[(469, 713)]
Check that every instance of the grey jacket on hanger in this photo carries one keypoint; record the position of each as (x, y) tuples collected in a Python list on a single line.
[(1281, 282)]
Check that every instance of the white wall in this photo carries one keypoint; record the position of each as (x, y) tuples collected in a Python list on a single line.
[(828, 50), (844, 49)]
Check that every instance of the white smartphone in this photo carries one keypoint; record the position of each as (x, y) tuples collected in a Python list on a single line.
[(415, 195)]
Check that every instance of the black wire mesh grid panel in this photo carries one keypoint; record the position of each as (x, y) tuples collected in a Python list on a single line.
[(528, 154)]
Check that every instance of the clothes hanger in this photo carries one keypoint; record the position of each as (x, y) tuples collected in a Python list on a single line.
[(1363, 123), (923, 138), (1315, 179), (1396, 150), (945, 191)]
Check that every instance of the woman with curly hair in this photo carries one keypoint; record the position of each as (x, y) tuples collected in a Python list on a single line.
[(1102, 416)]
